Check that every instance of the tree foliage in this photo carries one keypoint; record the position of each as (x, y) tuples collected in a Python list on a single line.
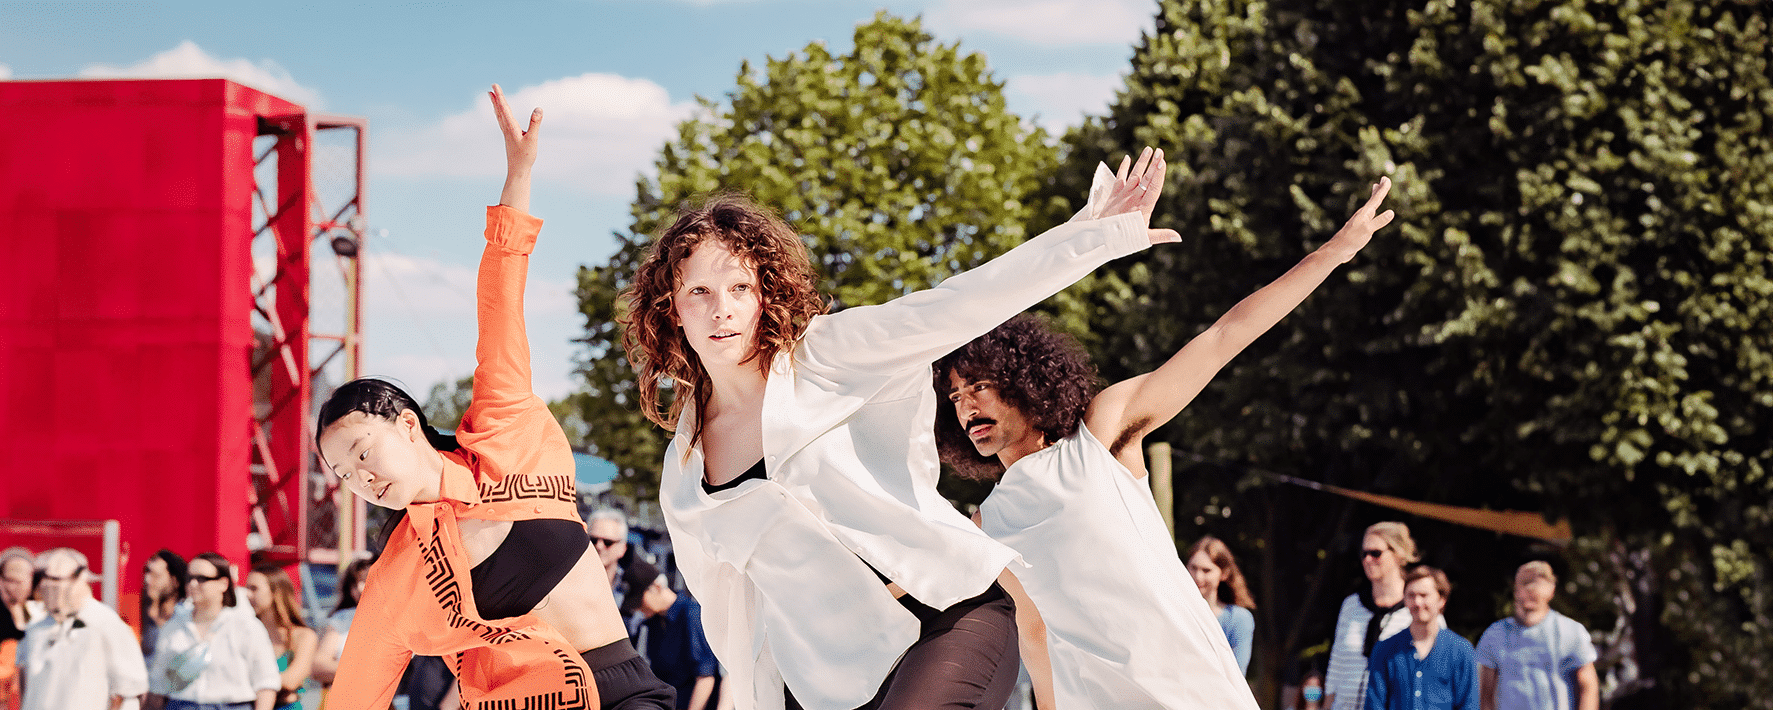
[(897, 161), (1570, 315)]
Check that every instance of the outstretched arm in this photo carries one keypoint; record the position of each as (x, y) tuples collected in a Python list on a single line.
[(1124, 413), (520, 152)]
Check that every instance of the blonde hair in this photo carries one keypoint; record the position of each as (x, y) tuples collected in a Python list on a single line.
[(1397, 537), (1538, 569)]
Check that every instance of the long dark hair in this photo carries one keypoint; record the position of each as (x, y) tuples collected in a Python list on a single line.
[(379, 398), (175, 567), (223, 568), (354, 572), (1045, 375)]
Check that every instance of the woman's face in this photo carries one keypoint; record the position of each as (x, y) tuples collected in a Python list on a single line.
[(1378, 560), (258, 591), (155, 579), (1207, 575), (206, 586), (717, 304), (387, 462)]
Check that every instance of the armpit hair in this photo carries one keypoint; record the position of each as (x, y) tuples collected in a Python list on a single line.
[(1128, 435)]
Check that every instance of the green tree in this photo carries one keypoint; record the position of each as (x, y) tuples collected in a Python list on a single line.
[(1571, 314), (897, 161)]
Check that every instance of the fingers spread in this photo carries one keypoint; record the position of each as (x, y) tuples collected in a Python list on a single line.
[(1144, 162), (1121, 174), (535, 120)]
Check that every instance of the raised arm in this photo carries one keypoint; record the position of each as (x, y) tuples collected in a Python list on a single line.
[(918, 328), (1126, 411), (502, 370)]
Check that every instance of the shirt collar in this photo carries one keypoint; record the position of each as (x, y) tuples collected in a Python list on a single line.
[(458, 483)]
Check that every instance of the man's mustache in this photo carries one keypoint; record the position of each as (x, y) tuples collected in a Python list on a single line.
[(968, 426)]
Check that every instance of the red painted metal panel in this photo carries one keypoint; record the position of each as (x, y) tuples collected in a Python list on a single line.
[(125, 331)]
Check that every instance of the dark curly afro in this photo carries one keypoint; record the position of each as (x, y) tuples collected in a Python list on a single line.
[(1043, 374)]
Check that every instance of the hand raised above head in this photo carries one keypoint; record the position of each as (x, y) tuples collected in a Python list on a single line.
[(1136, 188), (520, 144), (1360, 228)]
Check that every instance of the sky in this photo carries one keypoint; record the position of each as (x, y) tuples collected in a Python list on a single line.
[(614, 77)]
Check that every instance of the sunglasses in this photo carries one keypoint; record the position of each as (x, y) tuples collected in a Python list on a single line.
[(604, 541), (201, 578), (1375, 554)]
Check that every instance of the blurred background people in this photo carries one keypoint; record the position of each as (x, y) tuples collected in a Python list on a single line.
[(81, 655), (1216, 574), (163, 587), (338, 625), (1370, 614), (16, 569), (1427, 666), (217, 656), (1537, 659), (17, 566), (275, 604), (670, 638)]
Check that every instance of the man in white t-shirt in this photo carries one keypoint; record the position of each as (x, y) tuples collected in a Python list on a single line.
[(1098, 606), (1537, 659), (81, 656)]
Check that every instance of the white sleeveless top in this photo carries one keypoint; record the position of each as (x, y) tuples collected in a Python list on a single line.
[(1126, 627)]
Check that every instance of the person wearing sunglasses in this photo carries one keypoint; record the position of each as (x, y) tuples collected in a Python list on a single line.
[(216, 657), (1375, 612)]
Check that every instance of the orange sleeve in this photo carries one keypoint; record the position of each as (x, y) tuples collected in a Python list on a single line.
[(372, 662), (507, 425)]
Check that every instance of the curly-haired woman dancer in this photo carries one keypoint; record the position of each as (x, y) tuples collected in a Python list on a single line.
[(1101, 601), (800, 488)]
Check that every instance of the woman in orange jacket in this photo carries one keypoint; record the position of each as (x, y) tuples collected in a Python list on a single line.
[(488, 564)]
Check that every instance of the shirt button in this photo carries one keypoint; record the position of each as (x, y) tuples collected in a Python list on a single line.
[(1418, 674), (1418, 693), (539, 510)]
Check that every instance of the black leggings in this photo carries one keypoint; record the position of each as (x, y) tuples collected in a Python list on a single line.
[(967, 657), (625, 681)]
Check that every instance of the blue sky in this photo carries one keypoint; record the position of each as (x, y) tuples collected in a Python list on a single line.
[(614, 77)]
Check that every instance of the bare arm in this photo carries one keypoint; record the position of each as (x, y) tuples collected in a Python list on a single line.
[(1588, 688), (326, 656), (1124, 413), (520, 152), (265, 700), (701, 692), (302, 642), (1486, 688), (1032, 632)]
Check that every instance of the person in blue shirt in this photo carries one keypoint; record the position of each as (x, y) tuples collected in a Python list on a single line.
[(1216, 574), (1427, 667)]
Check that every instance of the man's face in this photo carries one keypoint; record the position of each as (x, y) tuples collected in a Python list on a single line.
[(1532, 593), (995, 427), (1423, 600), (611, 543), (65, 586), (15, 581)]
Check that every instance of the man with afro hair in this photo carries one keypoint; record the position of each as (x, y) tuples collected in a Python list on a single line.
[(1101, 604)]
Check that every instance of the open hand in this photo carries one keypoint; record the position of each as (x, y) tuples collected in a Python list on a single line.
[(1360, 228), (520, 145), (1136, 188)]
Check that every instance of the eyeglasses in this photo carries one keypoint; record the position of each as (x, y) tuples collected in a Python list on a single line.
[(605, 542), (1374, 554), (201, 578)]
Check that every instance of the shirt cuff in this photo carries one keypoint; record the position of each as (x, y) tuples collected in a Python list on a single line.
[(1126, 234), (512, 230)]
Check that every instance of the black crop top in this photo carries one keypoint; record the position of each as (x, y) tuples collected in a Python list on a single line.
[(534, 557), (756, 472)]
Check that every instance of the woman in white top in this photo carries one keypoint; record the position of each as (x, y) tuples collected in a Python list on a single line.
[(1369, 615), (217, 655), (800, 488)]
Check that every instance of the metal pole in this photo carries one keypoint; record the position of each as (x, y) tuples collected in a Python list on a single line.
[(108, 588)]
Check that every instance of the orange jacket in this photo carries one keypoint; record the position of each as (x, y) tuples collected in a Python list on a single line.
[(514, 464)]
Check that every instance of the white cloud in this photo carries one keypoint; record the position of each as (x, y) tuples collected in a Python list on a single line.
[(188, 61), (1047, 21), (1062, 99), (598, 132), (5, 72)]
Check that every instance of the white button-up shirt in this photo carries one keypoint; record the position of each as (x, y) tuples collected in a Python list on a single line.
[(850, 452), (241, 659), (81, 662)]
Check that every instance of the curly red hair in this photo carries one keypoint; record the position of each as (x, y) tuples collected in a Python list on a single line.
[(786, 282)]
